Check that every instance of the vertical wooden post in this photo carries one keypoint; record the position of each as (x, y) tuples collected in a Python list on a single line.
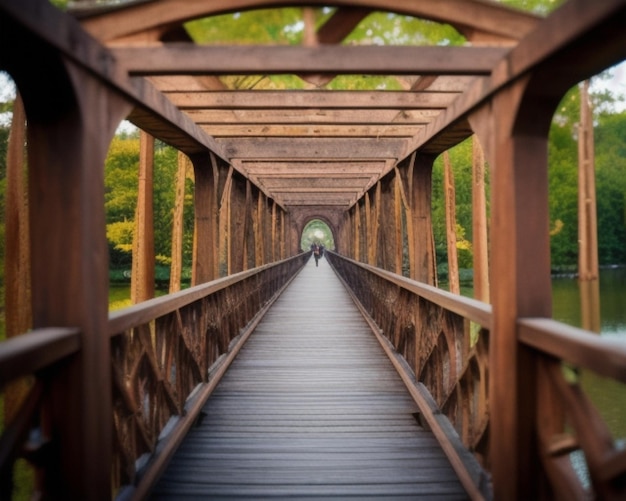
[(399, 240), (224, 231), (357, 232), (274, 233), (520, 284), (259, 231), (450, 202), (248, 233), (206, 224), (237, 250), (375, 230), (18, 317), (283, 234), (421, 241), (479, 223), (368, 228), (406, 179), (68, 142), (176, 267), (588, 268), (142, 278)]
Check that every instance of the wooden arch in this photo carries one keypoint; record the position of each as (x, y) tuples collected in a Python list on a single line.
[(472, 18)]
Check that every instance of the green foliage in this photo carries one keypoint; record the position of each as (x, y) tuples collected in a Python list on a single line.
[(461, 163), (316, 231), (121, 183), (382, 28)]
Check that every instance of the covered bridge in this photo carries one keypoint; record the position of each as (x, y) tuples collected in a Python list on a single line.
[(103, 387)]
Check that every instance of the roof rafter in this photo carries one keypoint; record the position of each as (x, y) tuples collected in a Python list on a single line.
[(191, 59)]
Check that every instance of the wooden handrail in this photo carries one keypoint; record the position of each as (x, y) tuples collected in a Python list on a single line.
[(35, 350), (469, 308), (146, 311), (583, 348)]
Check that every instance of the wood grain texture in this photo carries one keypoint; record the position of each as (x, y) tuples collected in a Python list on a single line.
[(310, 408)]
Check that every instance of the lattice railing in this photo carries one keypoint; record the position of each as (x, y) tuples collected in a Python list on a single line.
[(167, 355), (164, 350), (444, 339), (567, 419)]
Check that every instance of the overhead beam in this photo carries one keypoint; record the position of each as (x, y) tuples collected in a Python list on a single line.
[(187, 83), (312, 99), (29, 21), (468, 16), (580, 30), (315, 183), (312, 117), (191, 59), (307, 148), (336, 131)]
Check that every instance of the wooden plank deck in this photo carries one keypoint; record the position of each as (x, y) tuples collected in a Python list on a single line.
[(310, 408)]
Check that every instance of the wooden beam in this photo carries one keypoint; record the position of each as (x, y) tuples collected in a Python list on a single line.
[(580, 30), (258, 148), (191, 59), (372, 131), (328, 167), (312, 100), (281, 116), (466, 15), (315, 183), (30, 22)]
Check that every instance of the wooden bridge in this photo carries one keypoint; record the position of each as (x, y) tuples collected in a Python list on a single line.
[(311, 407), (112, 405)]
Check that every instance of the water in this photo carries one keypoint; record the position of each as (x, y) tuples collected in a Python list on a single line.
[(608, 396), (566, 301)]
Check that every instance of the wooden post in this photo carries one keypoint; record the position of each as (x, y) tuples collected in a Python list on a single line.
[(18, 315), (224, 223), (397, 216), (588, 268), (259, 230), (450, 201), (521, 287), (274, 233), (479, 223), (423, 266), (142, 277), (374, 243), (357, 232), (237, 249), (176, 267), (206, 244), (67, 145)]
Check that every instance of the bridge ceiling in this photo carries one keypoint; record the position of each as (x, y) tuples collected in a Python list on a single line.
[(307, 144)]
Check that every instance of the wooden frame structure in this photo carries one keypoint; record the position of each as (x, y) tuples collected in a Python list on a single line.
[(277, 159)]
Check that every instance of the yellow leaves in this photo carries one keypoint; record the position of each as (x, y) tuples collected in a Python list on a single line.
[(556, 229)]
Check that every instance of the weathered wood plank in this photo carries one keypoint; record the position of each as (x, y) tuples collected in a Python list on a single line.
[(311, 407), (191, 59), (311, 99)]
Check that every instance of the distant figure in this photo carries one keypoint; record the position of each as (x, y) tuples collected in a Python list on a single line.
[(317, 252)]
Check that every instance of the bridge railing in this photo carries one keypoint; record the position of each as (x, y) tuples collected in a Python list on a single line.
[(167, 354), (562, 355), (443, 340)]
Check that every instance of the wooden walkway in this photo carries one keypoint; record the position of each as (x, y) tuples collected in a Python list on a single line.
[(310, 408)]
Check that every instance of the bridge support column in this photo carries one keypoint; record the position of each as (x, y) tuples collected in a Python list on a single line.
[(142, 275), (418, 183), (520, 283), (207, 173), (68, 140)]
